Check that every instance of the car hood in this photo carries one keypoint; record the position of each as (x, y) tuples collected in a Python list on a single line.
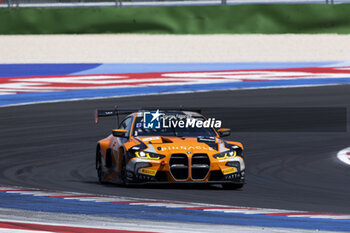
[(164, 145)]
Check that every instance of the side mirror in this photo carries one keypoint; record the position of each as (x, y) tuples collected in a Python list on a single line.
[(224, 132), (120, 133)]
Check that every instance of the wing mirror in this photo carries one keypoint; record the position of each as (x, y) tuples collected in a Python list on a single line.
[(224, 132), (120, 133)]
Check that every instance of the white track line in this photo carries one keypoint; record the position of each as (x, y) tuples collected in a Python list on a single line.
[(344, 155)]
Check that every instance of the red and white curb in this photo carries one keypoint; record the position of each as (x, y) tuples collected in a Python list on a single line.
[(24, 221), (15, 226), (344, 155), (15, 85), (173, 204)]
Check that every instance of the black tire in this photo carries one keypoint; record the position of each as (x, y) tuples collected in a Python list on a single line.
[(123, 171), (99, 170), (232, 186)]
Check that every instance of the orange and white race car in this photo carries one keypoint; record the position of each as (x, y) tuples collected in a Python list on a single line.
[(168, 146)]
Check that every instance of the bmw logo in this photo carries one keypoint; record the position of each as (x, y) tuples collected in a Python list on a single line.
[(188, 152)]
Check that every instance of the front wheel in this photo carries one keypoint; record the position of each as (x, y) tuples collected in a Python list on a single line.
[(123, 172), (232, 186), (99, 166)]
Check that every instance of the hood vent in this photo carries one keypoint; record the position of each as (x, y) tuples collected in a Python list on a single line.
[(166, 140)]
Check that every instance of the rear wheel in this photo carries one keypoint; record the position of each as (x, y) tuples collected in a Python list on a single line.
[(232, 186)]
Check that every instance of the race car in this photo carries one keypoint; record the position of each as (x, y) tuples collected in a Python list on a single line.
[(168, 146)]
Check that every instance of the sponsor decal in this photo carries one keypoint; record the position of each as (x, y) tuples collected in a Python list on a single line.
[(189, 148), (206, 139), (229, 170), (146, 171), (150, 139)]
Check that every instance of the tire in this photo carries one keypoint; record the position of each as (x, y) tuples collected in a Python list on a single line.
[(232, 186), (99, 170), (123, 171)]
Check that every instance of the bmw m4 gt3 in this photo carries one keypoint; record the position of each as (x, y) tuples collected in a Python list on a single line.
[(168, 146)]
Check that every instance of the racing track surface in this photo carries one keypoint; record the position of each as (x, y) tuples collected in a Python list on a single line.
[(52, 146)]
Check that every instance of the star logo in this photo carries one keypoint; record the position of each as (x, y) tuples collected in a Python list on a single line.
[(156, 115), (151, 120)]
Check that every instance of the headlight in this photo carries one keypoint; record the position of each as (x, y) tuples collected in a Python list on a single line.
[(225, 155), (148, 155), (228, 154)]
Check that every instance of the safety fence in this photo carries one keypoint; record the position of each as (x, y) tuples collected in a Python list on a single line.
[(119, 3)]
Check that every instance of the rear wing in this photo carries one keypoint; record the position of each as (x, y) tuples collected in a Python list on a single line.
[(116, 112)]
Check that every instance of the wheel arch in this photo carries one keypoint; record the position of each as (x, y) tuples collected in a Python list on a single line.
[(103, 146)]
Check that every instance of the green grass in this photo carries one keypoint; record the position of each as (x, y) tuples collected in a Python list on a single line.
[(238, 19)]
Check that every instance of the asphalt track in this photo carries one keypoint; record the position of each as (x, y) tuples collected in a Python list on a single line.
[(52, 146)]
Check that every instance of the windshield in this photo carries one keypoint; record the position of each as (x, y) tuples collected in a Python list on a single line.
[(171, 126)]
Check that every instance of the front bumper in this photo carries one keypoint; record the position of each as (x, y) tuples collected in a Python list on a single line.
[(144, 171)]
